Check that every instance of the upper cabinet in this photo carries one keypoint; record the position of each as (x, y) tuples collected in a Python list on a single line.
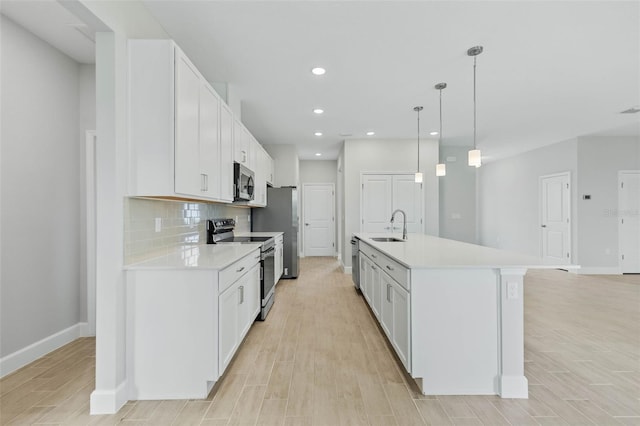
[(183, 137)]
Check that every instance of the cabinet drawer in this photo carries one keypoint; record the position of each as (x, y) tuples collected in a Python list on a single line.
[(395, 270), (230, 274)]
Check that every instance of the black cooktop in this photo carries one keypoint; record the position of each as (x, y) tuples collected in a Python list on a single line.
[(244, 239)]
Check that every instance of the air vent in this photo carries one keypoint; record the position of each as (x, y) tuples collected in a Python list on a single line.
[(631, 110)]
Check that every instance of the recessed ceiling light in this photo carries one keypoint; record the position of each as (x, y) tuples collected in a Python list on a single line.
[(318, 110), (318, 133), (318, 71), (433, 133), (371, 133), (318, 154)]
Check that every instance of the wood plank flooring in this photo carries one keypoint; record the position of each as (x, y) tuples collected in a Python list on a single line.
[(320, 359)]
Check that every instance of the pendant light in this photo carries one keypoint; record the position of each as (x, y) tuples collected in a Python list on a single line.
[(441, 168), (475, 158), (418, 176)]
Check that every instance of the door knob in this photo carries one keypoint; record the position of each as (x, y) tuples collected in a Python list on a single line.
[(544, 226), (306, 224)]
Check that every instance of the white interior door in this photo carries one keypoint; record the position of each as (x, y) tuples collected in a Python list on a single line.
[(377, 202), (629, 221), (407, 196), (555, 204), (318, 214)]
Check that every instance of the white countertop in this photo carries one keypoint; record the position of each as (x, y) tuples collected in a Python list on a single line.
[(203, 256), (421, 251)]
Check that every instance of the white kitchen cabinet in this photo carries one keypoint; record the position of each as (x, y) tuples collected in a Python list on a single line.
[(271, 174), (261, 170), (385, 285), (279, 258), (174, 131), (185, 325), (382, 194), (240, 143), (226, 153), (239, 306)]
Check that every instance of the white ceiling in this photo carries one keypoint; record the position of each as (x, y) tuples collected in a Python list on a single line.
[(53, 23), (550, 70)]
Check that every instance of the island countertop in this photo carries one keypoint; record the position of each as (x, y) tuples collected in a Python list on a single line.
[(422, 251)]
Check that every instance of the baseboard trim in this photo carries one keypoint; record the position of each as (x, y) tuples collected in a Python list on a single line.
[(603, 270), (24, 356), (108, 401)]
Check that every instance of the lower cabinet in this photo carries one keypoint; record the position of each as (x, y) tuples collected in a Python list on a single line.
[(239, 305), (184, 326), (278, 260), (389, 301)]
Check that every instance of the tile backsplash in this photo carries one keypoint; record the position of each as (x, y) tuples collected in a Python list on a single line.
[(180, 223)]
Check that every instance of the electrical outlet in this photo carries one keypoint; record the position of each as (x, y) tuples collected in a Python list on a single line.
[(512, 290), (158, 224), (249, 218), (236, 218)]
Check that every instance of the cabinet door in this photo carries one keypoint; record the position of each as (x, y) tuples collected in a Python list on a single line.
[(376, 290), (209, 141), (278, 262), (400, 332), (252, 296), (260, 195), (227, 326), (240, 149), (376, 203), (365, 277), (407, 196), (271, 166), (226, 153), (386, 316), (187, 101)]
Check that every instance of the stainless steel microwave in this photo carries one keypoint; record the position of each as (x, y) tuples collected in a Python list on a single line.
[(243, 183)]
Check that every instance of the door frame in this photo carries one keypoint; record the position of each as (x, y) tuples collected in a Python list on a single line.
[(569, 198), (333, 211), (620, 213)]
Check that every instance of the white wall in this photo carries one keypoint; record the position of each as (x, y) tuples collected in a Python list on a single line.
[(286, 164), (509, 208), (40, 179), (599, 160), (457, 195), (383, 155), (509, 212)]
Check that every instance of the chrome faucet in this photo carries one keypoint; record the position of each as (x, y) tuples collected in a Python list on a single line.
[(404, 222)]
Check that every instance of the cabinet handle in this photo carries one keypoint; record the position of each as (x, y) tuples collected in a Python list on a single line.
[(203, 179), (389, 268), (241, 294), (388, 293), (240, 270)]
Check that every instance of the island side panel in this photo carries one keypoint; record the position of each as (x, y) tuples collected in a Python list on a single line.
[(513, 383), (172, 333), (454, 330)]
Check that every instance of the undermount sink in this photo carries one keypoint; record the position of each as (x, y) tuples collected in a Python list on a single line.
[(387, 239)]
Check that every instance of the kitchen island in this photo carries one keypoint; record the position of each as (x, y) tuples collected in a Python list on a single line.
[(452, 311)]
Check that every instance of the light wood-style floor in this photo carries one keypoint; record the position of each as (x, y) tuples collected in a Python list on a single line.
[(320, 359)]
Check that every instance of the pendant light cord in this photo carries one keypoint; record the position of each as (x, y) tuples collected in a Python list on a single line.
[(418, 171), (474, 101)]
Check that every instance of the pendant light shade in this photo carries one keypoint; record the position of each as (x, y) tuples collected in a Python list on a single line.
[(475, 157), (418, 175), (441, 168)]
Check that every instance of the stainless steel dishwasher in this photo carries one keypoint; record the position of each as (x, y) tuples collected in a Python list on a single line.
[(355, 261)]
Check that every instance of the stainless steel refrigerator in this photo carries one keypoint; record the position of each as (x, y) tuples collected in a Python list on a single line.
[(281, 215)]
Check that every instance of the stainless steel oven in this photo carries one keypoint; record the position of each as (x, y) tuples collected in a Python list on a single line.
[(355, 261), (267, 276)]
